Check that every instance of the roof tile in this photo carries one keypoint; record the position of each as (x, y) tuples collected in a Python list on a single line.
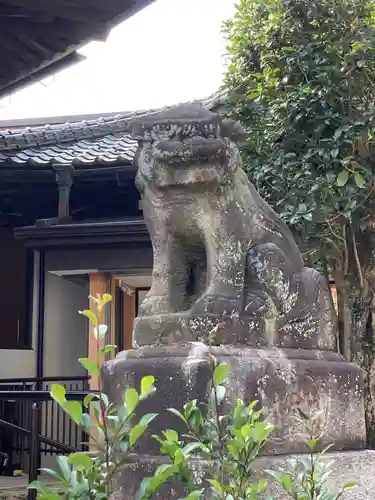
[(104, 141)]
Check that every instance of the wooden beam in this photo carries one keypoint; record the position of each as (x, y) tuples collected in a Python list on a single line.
[(46, 12)]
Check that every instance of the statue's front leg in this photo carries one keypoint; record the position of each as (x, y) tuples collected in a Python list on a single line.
[(167, 292), (225, 276)]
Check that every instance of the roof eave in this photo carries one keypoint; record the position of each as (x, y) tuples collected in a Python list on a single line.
[(70, 56)]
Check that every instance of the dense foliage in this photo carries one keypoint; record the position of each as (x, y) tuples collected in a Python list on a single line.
[(301, 79)]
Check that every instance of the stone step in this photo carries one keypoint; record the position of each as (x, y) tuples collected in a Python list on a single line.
[(15, 488)]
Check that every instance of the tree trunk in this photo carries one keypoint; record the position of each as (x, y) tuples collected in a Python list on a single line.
[(344, 314), (363, 353), (356, 325)]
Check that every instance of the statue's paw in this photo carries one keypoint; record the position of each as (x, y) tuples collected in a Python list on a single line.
[(219, 305), (153, 305)]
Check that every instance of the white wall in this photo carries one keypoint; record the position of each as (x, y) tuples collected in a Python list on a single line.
[(17, 363), (65, 331), (65, 340)]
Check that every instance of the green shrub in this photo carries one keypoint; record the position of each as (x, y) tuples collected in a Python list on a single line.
[(305, 477), (228, 443), (113, 431)]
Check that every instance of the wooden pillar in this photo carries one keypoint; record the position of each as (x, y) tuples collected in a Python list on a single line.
[(112, 325), (64, 180), (98, 285)]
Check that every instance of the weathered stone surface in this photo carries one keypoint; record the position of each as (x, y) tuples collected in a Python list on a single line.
[(352, 466), (223, 259), (280, 379)]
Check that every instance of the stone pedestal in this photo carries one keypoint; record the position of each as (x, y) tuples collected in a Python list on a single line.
[(280, 379), (349, 466)]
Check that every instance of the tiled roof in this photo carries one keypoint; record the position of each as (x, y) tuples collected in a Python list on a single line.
[(103, 141)]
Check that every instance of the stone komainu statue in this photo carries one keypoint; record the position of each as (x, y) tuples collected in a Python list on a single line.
[(224, 262)]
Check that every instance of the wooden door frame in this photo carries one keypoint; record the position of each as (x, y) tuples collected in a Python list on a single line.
[(100, 283)]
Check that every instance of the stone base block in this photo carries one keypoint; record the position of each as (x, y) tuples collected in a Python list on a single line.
[(280, 379), (356, 466)]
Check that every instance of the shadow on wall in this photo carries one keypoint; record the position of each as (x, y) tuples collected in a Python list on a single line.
[(65, 331)]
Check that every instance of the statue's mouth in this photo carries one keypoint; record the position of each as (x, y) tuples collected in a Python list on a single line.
[(189, 151), (180, 179)]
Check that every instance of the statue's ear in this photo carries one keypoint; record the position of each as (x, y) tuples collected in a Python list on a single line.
[(233, 131)]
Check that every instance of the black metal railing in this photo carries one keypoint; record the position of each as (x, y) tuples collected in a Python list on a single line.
[(33, 426)]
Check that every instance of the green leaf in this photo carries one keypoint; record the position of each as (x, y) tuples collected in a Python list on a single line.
[(58, 393), (233, 449), (49, 496), (150, 485), (108, 348), (124, 445), (44, 493), (147, 419), (220, 373), (334, 152), (177, 413), (247, 431), (50, 472), (337, 133), (312, 444), (38, 485), (104, 399), (178, 458), (107, 297), (90, 365), (216, 485), (351, 484), (164, 469), (261, 485), (131, 399), (284, 479), (136, 432), (100, 331), (147, 385), (194, 495), (190, 447), (90, 315), (145, 489), (81, 461), (190, 407), (74, 409), (62, 461), (171, 435), (359, 180), (342, 178), (86, 421), (89, 398)]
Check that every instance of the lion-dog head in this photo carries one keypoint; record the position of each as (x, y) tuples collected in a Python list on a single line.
[(183, 147)]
